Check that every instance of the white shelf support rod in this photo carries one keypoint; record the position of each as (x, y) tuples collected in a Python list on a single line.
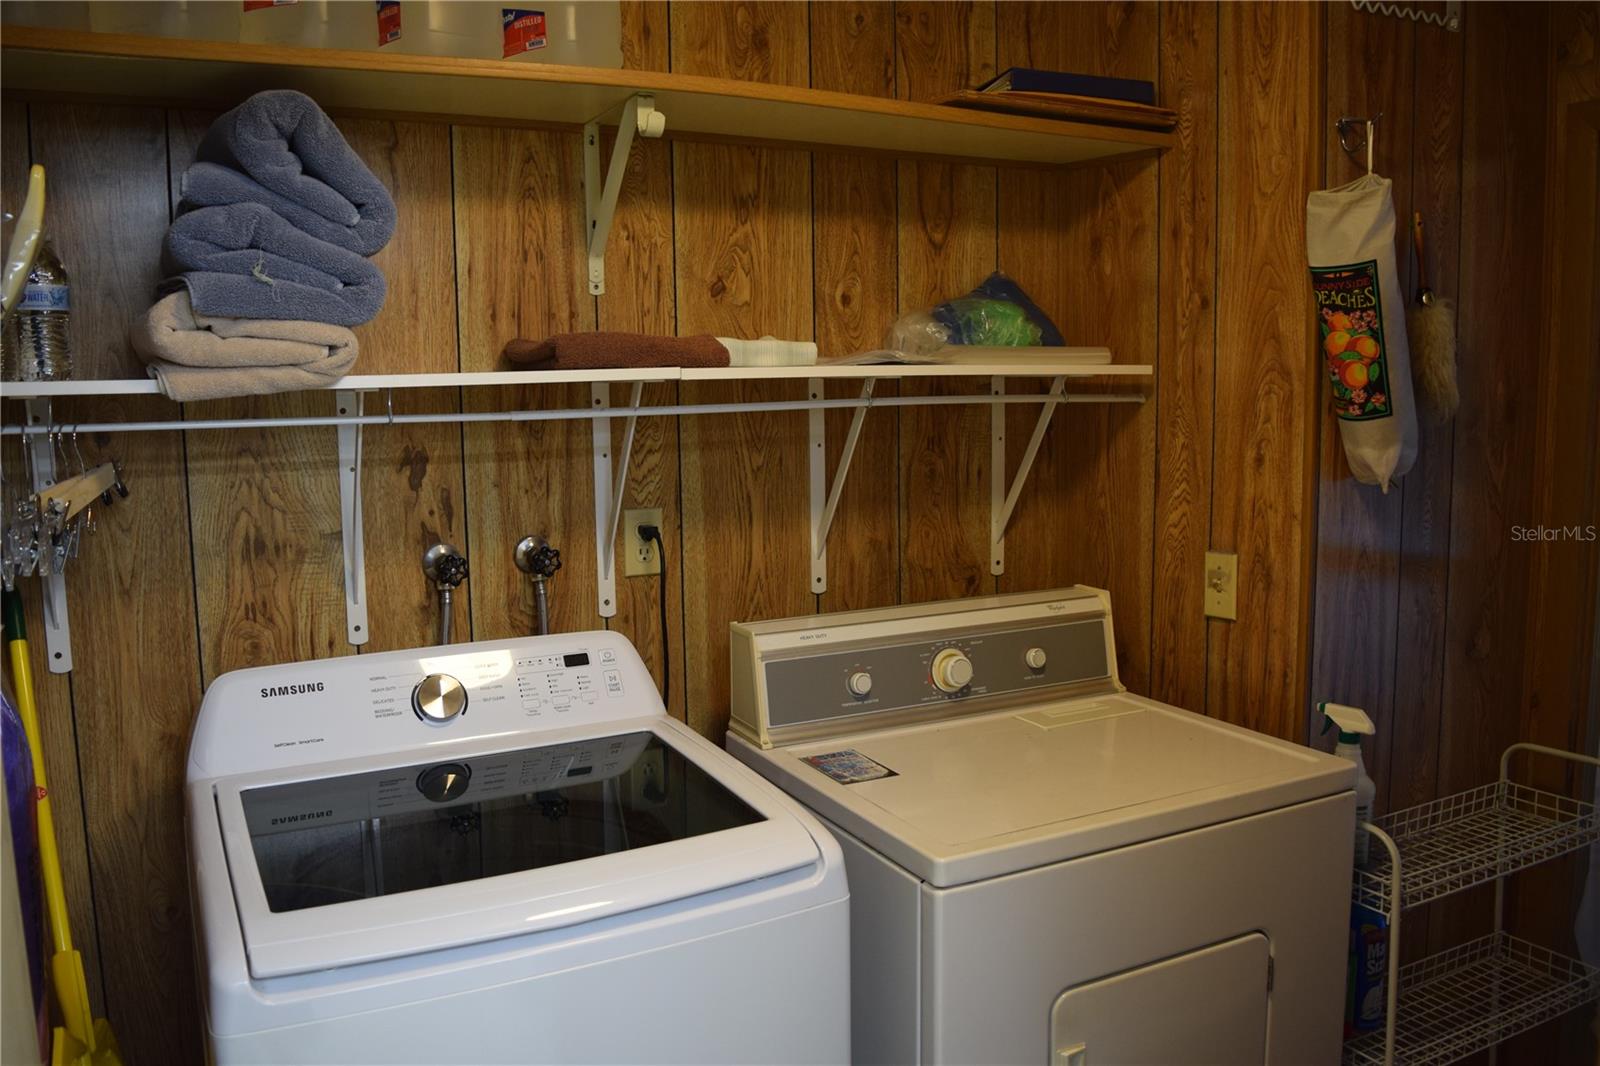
[(1001, 508), (997, 475), (1396, 901), (352, 523), (57, 631), (825, 499), (610, 483), (639, 115)]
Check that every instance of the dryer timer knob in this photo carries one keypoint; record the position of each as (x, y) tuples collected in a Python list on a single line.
[(952, 670), (438, 698)]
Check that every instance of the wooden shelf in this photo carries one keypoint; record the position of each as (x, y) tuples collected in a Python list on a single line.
[(221, 73), (40, 390)]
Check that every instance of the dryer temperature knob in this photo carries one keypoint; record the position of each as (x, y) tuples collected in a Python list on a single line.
[(860, 684), (438, 698), (1035, 658), (952, 670)]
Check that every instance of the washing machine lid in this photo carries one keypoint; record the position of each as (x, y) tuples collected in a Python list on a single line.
[(966, 799), (382, 860)]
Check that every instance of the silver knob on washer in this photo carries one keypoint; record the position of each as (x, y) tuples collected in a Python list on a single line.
[(438, 698)]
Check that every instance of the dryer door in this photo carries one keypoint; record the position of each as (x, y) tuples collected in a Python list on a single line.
[(1205, 1007)]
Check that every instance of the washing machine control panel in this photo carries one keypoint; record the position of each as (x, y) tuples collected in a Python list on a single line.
[(392, 701)]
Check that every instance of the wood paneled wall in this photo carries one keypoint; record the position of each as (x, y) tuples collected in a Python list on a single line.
[(228, 554), (1431, 609)]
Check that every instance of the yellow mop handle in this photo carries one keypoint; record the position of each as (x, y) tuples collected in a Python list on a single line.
[(66, 965)]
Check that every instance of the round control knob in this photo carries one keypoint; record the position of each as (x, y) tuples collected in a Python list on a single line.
[(444, 782), (438, 698), (1035, 658), (860, 684), (952, 670)]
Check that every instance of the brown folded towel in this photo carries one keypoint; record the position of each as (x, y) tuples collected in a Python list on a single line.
[(606, 350), (200, 357)]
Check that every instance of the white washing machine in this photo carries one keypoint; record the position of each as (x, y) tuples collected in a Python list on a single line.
[(500, 852), (1044, 868)]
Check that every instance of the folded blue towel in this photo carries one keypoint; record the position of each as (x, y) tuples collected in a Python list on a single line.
[(278, 148), (244, 261)]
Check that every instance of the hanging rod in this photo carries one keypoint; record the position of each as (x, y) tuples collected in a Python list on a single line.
[(560, 415), (1450, 20)]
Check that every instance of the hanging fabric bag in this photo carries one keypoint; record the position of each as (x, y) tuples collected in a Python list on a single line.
[(1361, 326)]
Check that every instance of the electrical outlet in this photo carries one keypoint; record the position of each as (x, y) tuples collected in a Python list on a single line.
[(648, 780), (639, 557), (1222, 586)]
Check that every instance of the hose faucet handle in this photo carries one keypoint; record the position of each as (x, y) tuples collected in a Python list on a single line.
[(445, 566), (535, 557)]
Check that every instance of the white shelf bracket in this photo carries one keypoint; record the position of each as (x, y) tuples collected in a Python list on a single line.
[(825, 499), (57, 631), (1003, 501), (610, 482), (352, 525), (639, 115)]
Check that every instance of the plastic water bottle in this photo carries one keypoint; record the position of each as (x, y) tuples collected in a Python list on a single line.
[(44, 350)]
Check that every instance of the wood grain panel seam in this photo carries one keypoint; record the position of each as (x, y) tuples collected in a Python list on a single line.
[(99, 975), (1455, 423), (183, 445), (72, 707), (1216, 331), (461, 393)]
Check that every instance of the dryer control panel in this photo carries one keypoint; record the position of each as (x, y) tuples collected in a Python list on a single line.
[(810, 676), (409, 700)]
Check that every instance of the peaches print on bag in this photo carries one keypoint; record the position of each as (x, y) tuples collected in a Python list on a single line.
[(1350, 324)]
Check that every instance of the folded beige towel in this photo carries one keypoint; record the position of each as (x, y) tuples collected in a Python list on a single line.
[(199, 357)]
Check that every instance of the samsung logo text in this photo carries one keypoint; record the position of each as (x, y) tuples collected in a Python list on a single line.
[(291, 690)]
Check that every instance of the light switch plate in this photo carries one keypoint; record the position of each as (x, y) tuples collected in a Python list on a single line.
[(1222, 586), (639, 557)]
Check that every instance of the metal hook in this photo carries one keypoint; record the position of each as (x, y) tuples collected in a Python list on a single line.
[(86, 519), (1356, 134), (58, 443)]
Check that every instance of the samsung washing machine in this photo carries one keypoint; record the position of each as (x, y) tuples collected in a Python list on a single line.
[(1044, 868), (502, 852)]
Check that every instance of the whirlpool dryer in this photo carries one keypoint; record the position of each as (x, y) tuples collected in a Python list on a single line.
[(1044, 868), (500, 852)]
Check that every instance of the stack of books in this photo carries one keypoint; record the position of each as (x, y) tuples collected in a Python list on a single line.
[(1080, 97)]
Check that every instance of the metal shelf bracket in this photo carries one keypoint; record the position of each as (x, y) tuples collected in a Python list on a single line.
[(352, 525), (639, 115), (610, 482), (57, 630), (825, 499), (1003, 502)]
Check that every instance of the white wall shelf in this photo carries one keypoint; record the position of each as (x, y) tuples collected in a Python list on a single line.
[(351, 413), (36, 390)]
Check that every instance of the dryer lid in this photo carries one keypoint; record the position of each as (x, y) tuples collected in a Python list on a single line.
[(394, 860), (962, 800)]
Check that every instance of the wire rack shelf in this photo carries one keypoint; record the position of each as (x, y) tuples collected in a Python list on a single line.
[(1471, 838), (1474, 996)]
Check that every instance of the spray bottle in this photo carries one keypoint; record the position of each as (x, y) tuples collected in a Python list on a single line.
[(1352, 722), (1368, 965)]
